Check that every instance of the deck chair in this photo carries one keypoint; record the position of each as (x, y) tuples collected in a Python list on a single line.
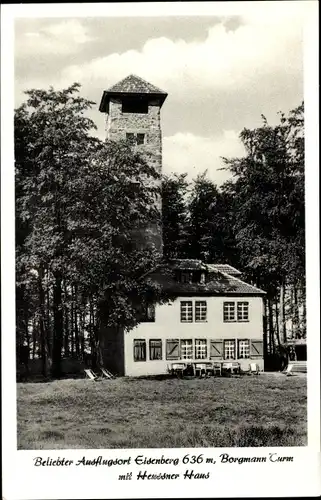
[(209, 371), (90, 374), (217, 369), (178, 369), (201, 368), (254, 369), (106, 373), (288, 371)]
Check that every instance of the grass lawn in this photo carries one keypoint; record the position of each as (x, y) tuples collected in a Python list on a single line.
[(264, 410)]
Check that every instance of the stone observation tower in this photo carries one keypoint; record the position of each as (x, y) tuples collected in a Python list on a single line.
[(132, 108)]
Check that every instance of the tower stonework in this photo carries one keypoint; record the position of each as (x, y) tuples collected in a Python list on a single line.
[(132, 107)]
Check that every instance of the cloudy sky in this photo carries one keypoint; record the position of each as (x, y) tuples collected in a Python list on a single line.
[(220, 71)]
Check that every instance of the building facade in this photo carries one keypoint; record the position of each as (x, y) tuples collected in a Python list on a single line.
[(203, 335)]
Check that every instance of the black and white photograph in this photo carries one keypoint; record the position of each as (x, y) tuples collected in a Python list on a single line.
[(160, 184)]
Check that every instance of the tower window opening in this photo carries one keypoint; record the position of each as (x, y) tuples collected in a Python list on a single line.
[(134, 106), (130, 138), (140, 139), (135, 139)]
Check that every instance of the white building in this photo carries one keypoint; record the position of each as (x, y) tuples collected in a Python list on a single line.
[(214, 317)]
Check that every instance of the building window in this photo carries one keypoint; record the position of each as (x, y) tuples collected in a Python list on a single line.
[(200, 349), (155, 349), (187, 349), (134, 106), (139, 350), (186, 277), (186, 311), (148, 314), (229, 349), (244, 349), (135, 139), (200, 310), (130, 137), (140, 139), (229, 311), (242, 311)]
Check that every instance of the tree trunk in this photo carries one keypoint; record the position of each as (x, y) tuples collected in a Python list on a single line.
[(304, 313), (34, 338), (291, 310), (265, 338), (27, 357), (93, 335), (82, 310), (282, 313), (76, 334), (42, 329), (101, 319), (76, 330), (296, 318), (277, 325), (47, 319), (66, 318), (72, 314), (271, 326), (58, 326)]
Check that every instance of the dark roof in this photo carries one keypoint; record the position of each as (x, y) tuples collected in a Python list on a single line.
[(135, 84), (132, 84), (187, 264), (216, 282), (226, 268)]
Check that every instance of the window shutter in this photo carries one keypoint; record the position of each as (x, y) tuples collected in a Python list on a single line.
[(216, 349), (256, 349), (172, 349)]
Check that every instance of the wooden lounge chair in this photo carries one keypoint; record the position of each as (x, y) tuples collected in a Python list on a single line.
[(200, 368), (91, 375), (217, 369), (106, 373), (254, 369), (178, 368), (231, 367), (209, 370)]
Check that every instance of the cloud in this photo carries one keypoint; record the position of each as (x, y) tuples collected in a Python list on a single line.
[(61, 38), (225, 59), (186, 152)]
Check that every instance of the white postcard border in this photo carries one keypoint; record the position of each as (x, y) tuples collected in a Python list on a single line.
[(23, 480)]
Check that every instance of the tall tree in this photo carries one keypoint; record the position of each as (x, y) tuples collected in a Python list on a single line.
[(79, 203), (56, 142), (210, 235), (174, 215), (267, 190)]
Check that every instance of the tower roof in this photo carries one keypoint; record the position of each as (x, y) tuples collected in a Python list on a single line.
[(130, 85), (135, 84)]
